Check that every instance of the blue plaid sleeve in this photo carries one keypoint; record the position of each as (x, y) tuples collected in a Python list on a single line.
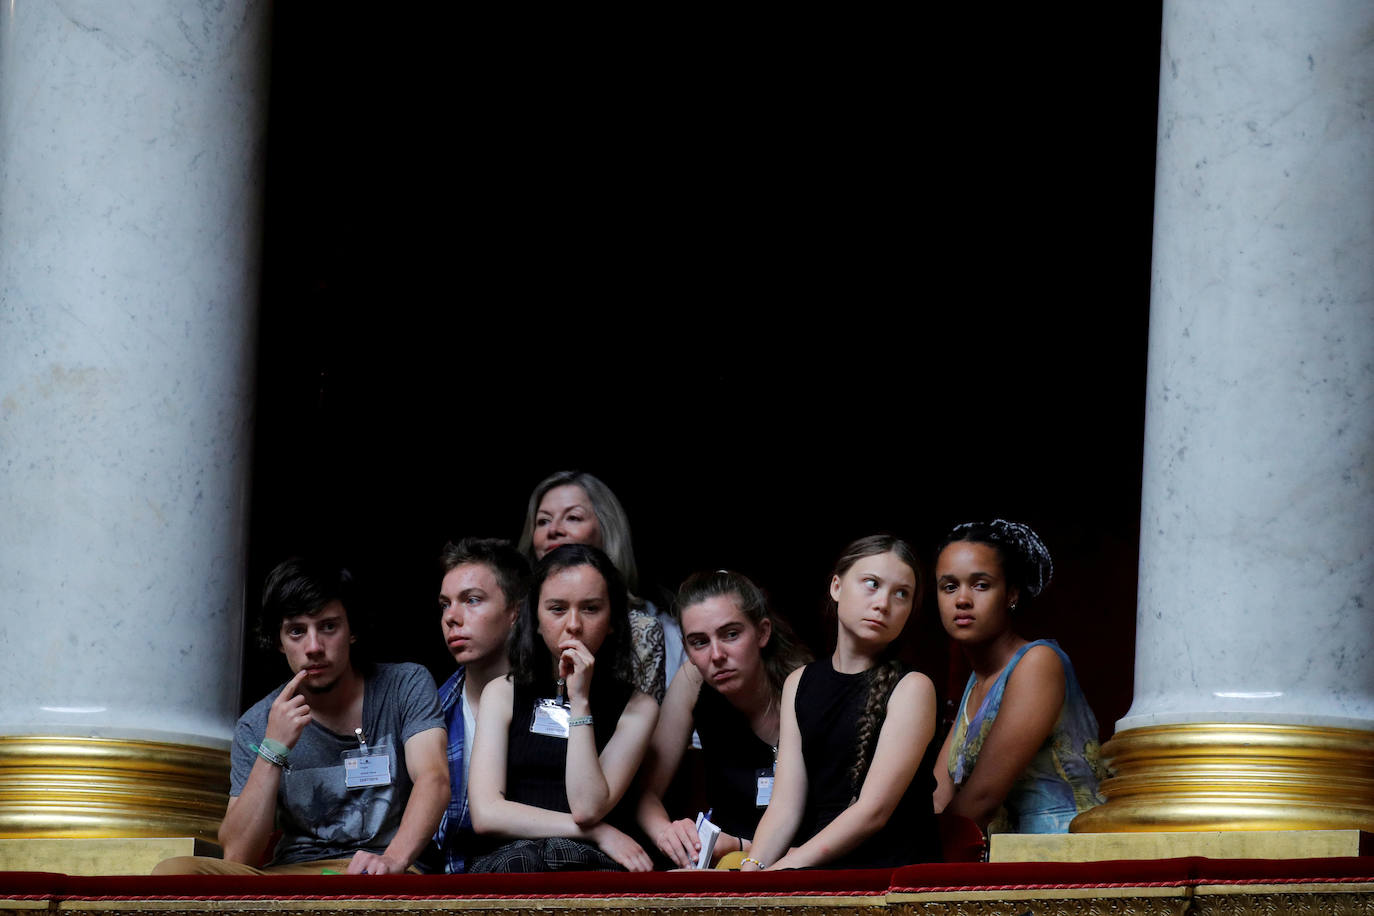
[(455, 822)]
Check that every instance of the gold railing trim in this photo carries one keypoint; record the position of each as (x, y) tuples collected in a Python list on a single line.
[(64, 786), (108, 753), (1250, 739), (1236, 776)]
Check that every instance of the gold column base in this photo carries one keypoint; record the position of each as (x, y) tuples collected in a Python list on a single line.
[(104, 787), (98, 856), (1235, 776)]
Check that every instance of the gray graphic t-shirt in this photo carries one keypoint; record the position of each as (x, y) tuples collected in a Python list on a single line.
[(319, 817)]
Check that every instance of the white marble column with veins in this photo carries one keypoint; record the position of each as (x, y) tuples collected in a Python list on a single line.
[(131, 158), (1256, 599)]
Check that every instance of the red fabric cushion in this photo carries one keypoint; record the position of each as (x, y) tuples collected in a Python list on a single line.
[(1190, 870), (32, 884), (960, 838), (1353, 869), (997, 876), (562, 884), (934, 877)]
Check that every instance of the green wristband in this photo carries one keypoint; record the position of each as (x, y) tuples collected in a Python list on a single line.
[(267, 752), (276, 748)]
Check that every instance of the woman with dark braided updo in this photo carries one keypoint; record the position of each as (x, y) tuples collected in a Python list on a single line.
[(1022, 756), (853, 784)]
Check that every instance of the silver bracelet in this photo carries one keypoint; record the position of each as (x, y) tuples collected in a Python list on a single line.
[(272, 757), (579, 720)]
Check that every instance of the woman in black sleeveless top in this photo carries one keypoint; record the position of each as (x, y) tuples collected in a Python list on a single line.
[(560, 738), (729, 691), (853, 787)]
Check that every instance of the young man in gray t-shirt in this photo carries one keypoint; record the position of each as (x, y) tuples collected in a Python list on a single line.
[(348, 759)]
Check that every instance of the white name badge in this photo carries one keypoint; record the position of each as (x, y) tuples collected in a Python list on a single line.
[(362, 770), (763, 793), (551, 719)]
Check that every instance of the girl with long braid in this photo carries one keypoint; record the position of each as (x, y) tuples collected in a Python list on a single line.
[(1022, 756), (853, 782)]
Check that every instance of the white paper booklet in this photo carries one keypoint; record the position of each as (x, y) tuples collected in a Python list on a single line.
[(707, 832)]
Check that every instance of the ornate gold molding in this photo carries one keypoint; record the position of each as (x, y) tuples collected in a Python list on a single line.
[(104, 787), (1236, 776), (1049, 906), (1288, 904)]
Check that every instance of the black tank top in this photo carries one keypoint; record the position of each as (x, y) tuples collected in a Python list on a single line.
[(536, 765), (828, 707), (732, 755)]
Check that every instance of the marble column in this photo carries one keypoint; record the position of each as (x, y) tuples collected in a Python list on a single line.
[(131, 157), (1254, 686)]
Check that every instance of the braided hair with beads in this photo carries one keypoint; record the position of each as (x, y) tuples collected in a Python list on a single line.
[(1026, 562)]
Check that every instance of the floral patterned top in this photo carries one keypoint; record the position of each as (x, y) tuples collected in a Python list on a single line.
[(1062, 779)]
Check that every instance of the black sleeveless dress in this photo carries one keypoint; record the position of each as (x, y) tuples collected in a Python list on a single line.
[(536, 765), (536, 775), (732, 756), (828, 707)]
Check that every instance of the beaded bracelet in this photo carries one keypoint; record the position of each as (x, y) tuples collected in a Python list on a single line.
[(579, 720), (751, 859)]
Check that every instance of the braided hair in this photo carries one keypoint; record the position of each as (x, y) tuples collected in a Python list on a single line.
[(1026, 562), (889, 669)]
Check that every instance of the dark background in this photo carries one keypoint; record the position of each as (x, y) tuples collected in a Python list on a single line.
[(780, 283)]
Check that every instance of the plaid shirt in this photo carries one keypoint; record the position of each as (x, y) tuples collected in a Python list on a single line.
[(455, 828)]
